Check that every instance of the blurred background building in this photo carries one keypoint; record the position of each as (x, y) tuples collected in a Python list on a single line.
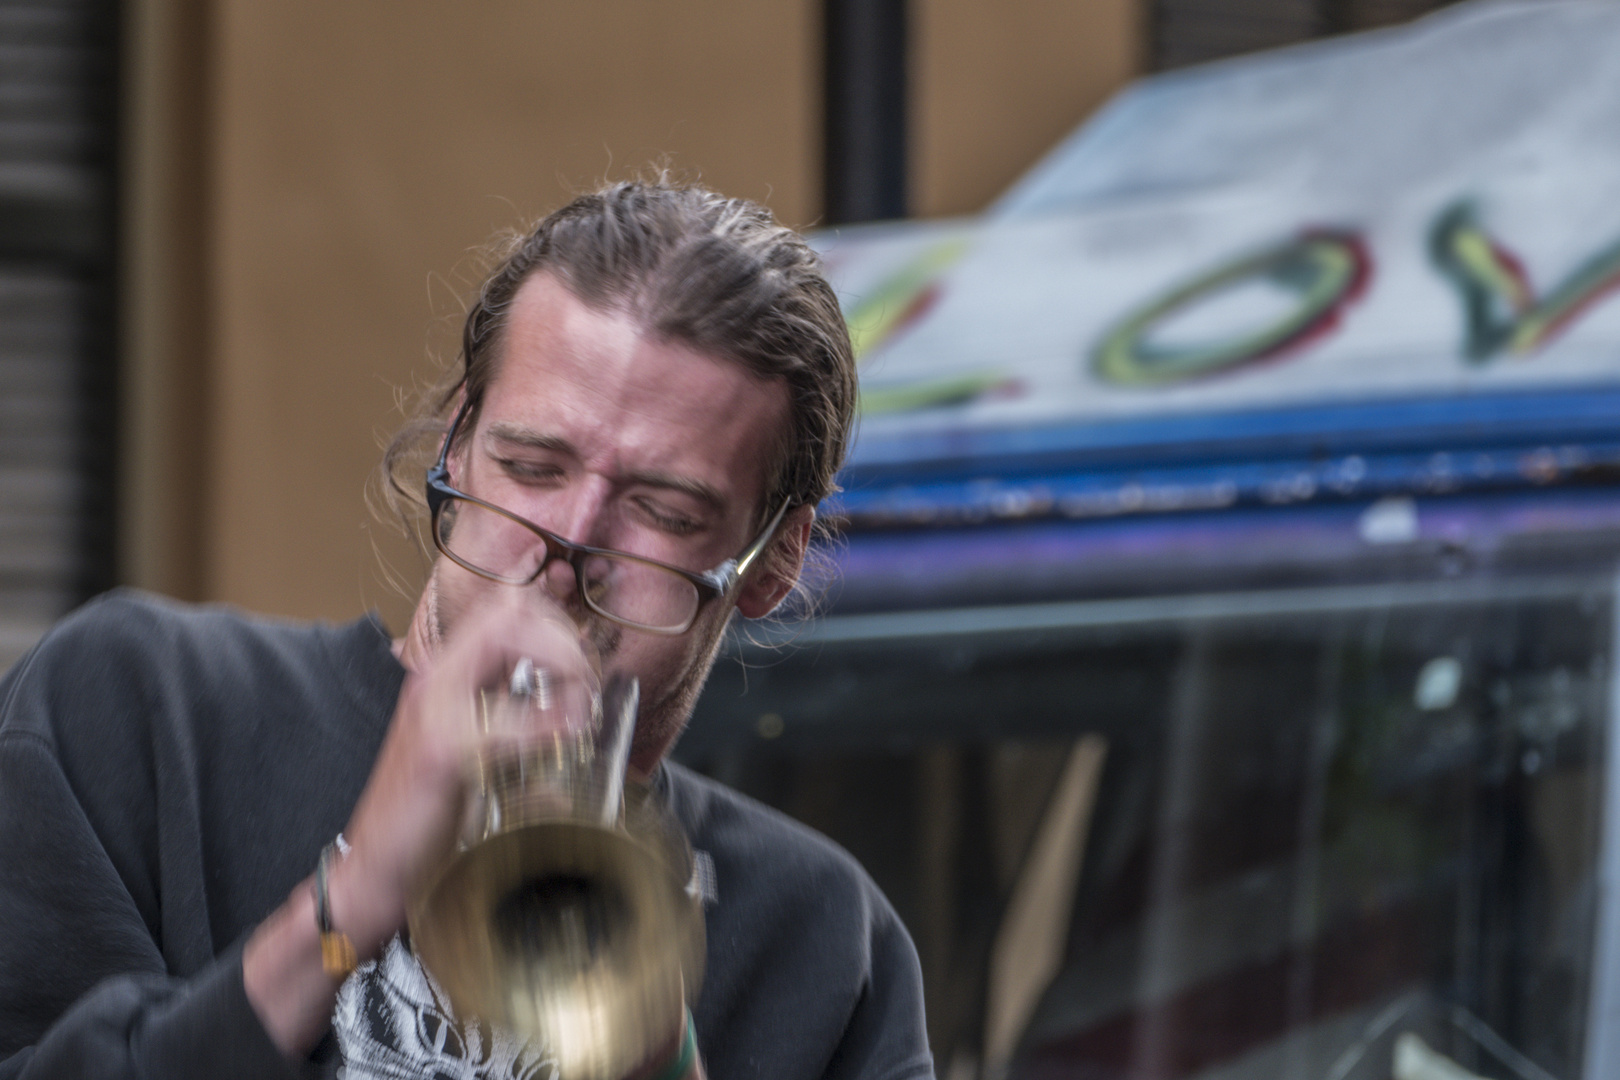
[(232, 233)]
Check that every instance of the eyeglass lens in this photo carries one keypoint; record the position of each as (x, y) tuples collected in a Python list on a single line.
[(621, 587)]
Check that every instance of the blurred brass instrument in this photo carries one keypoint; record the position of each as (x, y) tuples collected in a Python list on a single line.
[(571, 919)]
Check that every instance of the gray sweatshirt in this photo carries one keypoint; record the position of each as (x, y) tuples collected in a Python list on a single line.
[(169, 774)]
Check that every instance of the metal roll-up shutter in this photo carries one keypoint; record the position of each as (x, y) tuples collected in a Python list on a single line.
[(57, 393)]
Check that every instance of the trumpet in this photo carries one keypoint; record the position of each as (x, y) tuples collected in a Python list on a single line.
[(570, 917)]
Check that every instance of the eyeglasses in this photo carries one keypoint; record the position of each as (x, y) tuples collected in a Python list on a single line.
[(643, 594)]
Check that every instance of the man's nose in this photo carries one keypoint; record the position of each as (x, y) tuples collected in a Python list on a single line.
[(582, 518), (560, 583), (580, 521)]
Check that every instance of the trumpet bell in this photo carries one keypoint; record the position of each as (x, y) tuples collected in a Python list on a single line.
[(583, 939)]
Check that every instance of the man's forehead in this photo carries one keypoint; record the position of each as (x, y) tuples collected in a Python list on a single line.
[(581, 378), (546, 315)]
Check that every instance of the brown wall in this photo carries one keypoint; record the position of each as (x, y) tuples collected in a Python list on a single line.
[(994, 85), (163, 336), (301, 237), (357, 152)]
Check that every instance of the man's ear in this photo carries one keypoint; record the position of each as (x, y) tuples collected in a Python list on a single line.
[(769, 583)]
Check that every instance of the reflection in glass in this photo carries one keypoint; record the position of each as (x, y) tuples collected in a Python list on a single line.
[(1336, 834)]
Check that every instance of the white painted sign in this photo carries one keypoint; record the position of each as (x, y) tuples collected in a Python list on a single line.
[(1430, 212)]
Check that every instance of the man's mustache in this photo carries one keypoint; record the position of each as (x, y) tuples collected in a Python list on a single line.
[(604, 636)]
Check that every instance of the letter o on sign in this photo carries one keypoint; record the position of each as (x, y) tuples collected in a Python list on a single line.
[(1324, 270)]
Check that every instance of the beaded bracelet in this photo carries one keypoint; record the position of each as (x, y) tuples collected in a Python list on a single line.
[(338, 958)]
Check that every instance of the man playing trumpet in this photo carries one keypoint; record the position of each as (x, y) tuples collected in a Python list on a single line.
[(655, 392)]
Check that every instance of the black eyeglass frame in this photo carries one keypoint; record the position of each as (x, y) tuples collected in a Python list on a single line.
[(722, 581)]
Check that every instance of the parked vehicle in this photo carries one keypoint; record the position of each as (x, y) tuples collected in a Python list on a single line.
[(1220, 671)]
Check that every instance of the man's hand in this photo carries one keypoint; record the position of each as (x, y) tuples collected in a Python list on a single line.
[(406, 823)]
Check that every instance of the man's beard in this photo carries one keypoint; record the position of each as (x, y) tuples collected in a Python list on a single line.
[(660, 722)]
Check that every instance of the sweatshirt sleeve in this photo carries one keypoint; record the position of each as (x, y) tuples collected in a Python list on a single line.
[(886, 1038), (83, 988)]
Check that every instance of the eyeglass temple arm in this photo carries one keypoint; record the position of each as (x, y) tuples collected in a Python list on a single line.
[(439, 472), (725, 577)]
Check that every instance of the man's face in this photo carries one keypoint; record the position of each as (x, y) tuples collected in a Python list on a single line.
[(614, 439)]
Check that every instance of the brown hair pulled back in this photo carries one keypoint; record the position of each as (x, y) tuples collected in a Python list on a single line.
[(715, 274)]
